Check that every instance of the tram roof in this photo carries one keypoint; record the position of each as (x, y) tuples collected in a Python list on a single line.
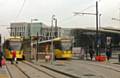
[(55, 39), (15, 38), (100, 30), (44, 41)]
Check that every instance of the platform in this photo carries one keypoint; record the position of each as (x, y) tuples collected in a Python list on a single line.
[(3, 72)]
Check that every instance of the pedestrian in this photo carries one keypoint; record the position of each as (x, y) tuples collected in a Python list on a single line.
[(108, 53), (34, 52), (86, 52), (91, 52), (1, 57), (14, 59), (82, 52), (47, 56)]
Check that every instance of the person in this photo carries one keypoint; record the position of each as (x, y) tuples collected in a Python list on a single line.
[(47, 56), (86, 52), (1, 57), (91, 52), (108, 53), (82, 52), (14, 59)]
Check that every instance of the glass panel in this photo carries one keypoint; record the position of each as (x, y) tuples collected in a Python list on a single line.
[(15, 45), (66, 45), (57, 46)]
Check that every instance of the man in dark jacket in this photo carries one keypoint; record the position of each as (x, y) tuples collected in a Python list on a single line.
[(91, 52), (1, 56), (108, 53)]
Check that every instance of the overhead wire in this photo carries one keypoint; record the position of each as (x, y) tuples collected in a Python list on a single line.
[(73, 16), (21, 9), (87, 8)]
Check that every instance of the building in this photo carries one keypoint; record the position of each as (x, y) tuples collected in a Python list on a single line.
[(19, 29), (87, 37), (25, 29), (82, 37), (40, 30)]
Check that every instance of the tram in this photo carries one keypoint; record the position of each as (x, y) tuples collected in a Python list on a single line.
[(13, 43), (62, 47)]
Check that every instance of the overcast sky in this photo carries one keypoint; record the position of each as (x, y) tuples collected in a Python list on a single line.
[(10, 11)]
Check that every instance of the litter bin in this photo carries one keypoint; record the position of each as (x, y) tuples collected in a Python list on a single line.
[(119, 58)]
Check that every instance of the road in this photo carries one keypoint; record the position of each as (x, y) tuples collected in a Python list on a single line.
[(87, 69), (64, 69), (29, 70)]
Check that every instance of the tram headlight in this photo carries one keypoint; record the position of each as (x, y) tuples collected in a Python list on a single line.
[(64, 52), (69, 52)]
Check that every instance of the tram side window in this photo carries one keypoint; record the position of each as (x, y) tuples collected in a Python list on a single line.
[(7, 44), (57, 46)]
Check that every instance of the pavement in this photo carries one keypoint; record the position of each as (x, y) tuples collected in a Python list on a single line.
[(3, 72), (54, 66), (57, 65)]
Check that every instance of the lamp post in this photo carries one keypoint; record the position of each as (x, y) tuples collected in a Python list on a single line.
[(37, 47), (30, 35), (56, 28), (52, 48), (97, 32), (97, 26)]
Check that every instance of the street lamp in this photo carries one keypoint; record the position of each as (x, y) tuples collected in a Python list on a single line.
[(100, 20), (97, 25), (30, 35), (52, 33)]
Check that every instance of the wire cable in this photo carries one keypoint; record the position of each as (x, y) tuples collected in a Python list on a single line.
[(71, 17), (87, 8), (21, 9)]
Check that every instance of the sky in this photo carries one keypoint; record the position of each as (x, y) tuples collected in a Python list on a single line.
[(25, 10)]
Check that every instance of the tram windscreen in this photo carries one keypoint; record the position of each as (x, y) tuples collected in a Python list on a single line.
[(66, 45), (15, 45)]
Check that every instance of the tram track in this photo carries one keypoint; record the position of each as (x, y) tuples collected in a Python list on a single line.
[(42, 69), (22, 71), (72, 76), (15, 72), (9, 73), (107, 66), (102, 68), (39, 69), (21, 68), (65, 75), (48, 72)]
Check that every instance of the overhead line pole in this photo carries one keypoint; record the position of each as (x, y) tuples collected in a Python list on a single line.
[(52, 48), (97, 25), (97, 32)]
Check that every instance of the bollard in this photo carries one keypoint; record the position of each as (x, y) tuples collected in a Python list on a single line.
[(119, 58)]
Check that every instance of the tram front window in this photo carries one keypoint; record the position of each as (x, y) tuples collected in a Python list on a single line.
[(15, 45), (66, 46), (57, 46)]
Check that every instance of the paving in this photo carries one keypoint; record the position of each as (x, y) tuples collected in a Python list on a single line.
[(4, 72), (57, 66)]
